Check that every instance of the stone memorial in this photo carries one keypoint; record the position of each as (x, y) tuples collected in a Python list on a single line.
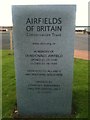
[(44, 45)]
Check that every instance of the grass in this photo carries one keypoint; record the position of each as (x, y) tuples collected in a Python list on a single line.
[(8, 83), (0, 85), (80, 86)]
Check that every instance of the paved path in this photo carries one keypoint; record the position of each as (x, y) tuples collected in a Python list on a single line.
[(5, 40), (82, 46), (82, 54), (82, 42)]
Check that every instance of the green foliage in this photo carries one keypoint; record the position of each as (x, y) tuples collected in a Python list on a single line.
[(80, 86)]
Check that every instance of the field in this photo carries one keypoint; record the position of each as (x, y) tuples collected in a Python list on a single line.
[(80, 86), (0, 84)]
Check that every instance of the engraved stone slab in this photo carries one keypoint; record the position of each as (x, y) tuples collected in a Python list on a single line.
[(44, 45)]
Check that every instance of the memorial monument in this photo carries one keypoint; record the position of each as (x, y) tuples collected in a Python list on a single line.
[(44, 45)]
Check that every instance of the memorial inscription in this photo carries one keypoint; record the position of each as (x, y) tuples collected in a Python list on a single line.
[(44, 46)]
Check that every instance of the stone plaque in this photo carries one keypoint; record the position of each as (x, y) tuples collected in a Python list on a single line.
[(44, 46)]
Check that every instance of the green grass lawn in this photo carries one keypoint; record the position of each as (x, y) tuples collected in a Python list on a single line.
[(0, 85), (80, 86), (8, 84)]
